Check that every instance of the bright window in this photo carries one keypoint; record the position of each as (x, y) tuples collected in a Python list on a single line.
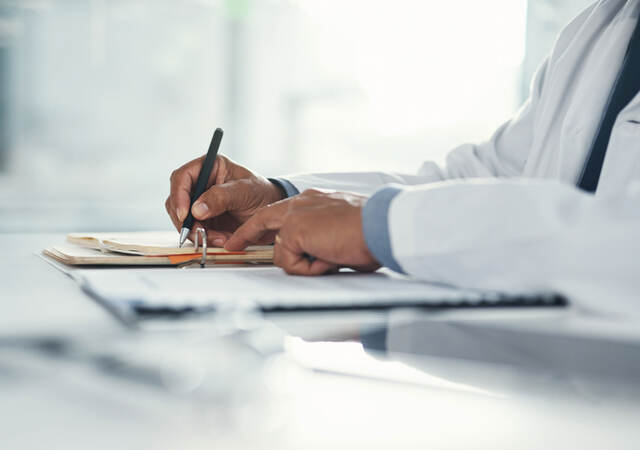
[(101, 99)]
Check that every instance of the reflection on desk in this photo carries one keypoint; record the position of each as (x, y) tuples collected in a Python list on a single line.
[(72, 377), (548, 349)]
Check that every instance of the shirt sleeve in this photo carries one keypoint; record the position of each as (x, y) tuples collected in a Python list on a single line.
[(285, 186), (375, 226)]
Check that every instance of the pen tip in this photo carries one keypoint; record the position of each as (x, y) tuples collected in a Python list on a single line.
[(184, 233)]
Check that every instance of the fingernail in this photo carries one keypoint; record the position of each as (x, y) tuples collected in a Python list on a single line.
[(218, 242), (181, 213), (200, 209)]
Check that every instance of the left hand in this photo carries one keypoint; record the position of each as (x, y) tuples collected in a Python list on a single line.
[(314, 232)]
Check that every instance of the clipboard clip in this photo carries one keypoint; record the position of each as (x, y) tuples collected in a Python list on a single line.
[(200, 235), (200, 232)]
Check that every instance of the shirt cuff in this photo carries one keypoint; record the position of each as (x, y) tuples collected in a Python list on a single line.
[(375, 226), (285, 186)]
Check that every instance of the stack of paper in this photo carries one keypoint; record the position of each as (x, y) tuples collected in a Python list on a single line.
[(130, 292), (157, 248), (271, 289)]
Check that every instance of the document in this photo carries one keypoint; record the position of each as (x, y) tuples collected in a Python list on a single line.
[(271, 289), (148, 243), (149, 248)]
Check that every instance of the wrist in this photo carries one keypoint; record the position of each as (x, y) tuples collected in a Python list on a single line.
[(275, 191)]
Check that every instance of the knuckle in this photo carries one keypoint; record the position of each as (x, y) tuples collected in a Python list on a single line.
[(223, 161), (310, 192), (262, 211), (223, 167), (222, 194), (246, 186), (296, 202)]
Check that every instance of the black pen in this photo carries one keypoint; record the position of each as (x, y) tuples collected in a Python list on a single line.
[(201, 184)]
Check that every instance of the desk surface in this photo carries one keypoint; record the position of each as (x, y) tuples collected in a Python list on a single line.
[(72, 376)]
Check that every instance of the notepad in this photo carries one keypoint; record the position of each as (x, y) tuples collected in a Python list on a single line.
[(146, 249), (271, 289), (146, 243)]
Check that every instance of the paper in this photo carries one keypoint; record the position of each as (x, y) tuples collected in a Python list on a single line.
[(151, 243), (155, 248), (271, 289), (76, 255)]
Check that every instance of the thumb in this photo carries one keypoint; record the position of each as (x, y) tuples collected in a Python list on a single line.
[(221, 198)]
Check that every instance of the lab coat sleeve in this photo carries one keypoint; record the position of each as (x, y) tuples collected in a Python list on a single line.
[(512, 236), (504, 155)]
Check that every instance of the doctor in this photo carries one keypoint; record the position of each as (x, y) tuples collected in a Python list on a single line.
[(547, 203)]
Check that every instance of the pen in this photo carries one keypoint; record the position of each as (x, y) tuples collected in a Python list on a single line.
[(201, 184)]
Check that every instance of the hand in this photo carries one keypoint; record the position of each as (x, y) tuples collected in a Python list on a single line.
[(234, 194), (314, 233)]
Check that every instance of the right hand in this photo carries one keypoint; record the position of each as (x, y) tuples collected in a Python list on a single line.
[(233, 195)]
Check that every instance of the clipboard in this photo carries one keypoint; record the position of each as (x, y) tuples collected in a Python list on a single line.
[(137, 249)]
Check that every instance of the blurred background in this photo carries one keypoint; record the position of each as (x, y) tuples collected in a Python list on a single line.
[(101, 99)]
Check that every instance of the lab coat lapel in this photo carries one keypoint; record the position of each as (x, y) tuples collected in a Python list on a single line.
[(598, 54), (631, 112), (621, 165)]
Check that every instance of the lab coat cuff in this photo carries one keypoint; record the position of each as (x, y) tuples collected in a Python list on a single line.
[(285, 186), (375, 226)]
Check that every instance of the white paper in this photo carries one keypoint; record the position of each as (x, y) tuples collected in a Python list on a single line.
[(268, 288)]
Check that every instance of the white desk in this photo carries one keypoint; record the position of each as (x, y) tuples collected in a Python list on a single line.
[(71, 377)]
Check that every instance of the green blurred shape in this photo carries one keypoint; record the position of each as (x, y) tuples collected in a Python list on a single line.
[(237, 9)]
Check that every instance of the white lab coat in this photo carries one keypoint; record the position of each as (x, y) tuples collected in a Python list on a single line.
[(506, 214)]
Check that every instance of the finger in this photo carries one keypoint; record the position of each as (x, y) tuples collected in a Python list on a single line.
[(295, 262), (214, 238), (171, 214), (217, 238), (221, 198), (266, 239), (182, 183), (289, 253), (265, 221), (214, 202)]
